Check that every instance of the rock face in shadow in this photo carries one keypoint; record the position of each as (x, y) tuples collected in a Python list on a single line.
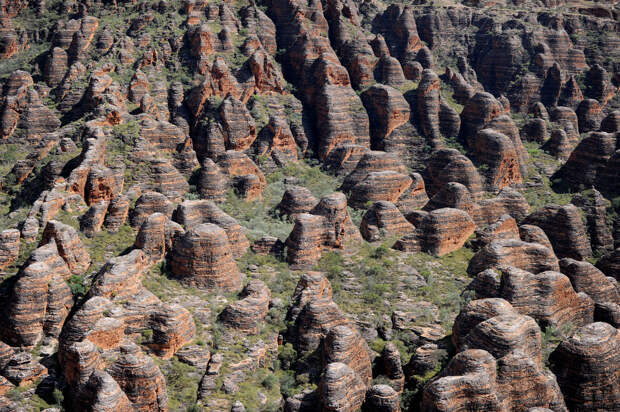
[(587, 367), (564, 228), (202, 257)]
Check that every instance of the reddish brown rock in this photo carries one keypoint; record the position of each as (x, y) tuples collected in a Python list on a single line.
[(376, 186), (534, 234), (449, 165), (392, 366), (296, 199), (587, 367), (147, 204), (548, 297), (453, 195), (565, 229), (305, 243), (477, 113), (341, 389), (588, 279), (151, 237), (594, 206), (212, 183), (344, 344), (428, 107), (117, 213), (267, 76), (236, 165), (532, 257), (70, 247), (504, 228), (247, 314), (388, 110), (202, 257), (590, 155), (382, 220), (373, 161), (140, 378), (445, 230), (238, 124), (191, 213), (589, 115), (92, 221), (275, 144), (55, 67), (515, 342), (496, 151), (40, 299), (9, 247), (469, 381), (611, 122), (382, 398), (610, 264)]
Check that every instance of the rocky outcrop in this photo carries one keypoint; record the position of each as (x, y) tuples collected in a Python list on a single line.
[(9, 247), (69, 245), (564, 228), (501, 159), (341, 389), (449, 165), (469, 379), (345, 345), (147, 204), (39, 300), (246, 314), (548, 297), (382, 220), (296, 199), (191, 213), (532, 257), (594, 206), (587, 367), (610, 264), (588, 279), (202, 257), (382, 398), (212, 183), (492, 327), (327, 226), (238, 124), (588, 159), (445, 230), (140, 378)]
